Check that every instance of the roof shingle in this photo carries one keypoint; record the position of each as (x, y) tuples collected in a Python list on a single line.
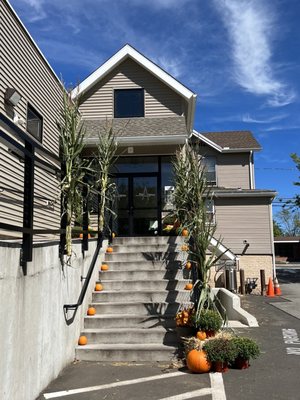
[(233, 139), (134, 127)]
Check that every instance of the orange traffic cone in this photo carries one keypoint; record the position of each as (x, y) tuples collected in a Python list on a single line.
[(277, 287), (270, 291)]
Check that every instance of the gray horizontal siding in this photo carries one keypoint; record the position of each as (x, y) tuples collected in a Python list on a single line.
[(160, 101), (244, 219), (23, 68)]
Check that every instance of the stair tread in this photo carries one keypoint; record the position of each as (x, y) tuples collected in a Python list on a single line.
[(119, 303), (143, 280), (113, 330), (124, 346), (103, 316), (141, 291)]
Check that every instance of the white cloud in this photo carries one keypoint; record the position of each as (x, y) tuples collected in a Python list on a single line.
[(247, 118), (251, 27)]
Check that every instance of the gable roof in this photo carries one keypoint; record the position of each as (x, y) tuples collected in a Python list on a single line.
[(229, 141), (129, 52)]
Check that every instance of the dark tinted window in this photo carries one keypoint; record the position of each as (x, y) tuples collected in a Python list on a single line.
[(129, 103), (34, 123)]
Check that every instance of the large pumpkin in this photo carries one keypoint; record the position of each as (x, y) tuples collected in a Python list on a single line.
[(197, 362)]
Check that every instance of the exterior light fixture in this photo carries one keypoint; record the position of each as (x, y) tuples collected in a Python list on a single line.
[(12, 96)]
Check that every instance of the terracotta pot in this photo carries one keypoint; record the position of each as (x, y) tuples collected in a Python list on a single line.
[(220, 366), (241, 363)]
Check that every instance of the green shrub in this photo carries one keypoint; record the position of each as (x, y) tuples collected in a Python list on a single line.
[(247, 348), (209, 320), (220, 350)]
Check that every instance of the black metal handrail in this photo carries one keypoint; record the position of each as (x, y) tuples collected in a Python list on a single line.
[(87, 279)]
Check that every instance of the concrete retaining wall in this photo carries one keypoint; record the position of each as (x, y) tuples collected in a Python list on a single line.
[(35, 342)]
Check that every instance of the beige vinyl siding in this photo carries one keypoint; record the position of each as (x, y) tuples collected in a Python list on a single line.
[(160, 100), (240, 219), (233, 170), (22, 67)]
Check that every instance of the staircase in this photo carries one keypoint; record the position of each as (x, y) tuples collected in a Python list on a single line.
[(143, 289)]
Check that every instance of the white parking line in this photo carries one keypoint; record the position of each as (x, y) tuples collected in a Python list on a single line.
[(217, 386), (190, 395), (55, 395)]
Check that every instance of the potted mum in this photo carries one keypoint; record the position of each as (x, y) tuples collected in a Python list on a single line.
[(209, 321), (246, 349), (220, 352)]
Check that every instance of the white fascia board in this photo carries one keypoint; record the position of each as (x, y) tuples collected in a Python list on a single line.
[(34, 43), (207, 141), (142, 140), (121, 55), (222, 249), (245, 194), (245, 150)]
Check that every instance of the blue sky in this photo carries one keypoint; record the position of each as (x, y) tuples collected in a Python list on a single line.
[(241, 56)]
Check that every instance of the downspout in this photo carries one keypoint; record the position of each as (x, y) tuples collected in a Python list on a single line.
[(272, 240), (251, 173)]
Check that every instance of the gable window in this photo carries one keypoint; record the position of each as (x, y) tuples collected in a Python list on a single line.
[(34, 123), (210, 166), (129, 103)]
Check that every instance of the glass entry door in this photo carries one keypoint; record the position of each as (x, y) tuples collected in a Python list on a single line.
[(137, 204)]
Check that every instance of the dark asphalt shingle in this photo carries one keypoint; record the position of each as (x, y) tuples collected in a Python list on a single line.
[(133, 127), (233, 139)]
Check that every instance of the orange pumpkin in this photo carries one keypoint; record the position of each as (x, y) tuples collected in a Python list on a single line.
[(109, 250), (82, 340), (201, 335), (197, 362), (91, 311), (188, 265), (189, 286), (104, 267), (98, 287), (185, 232)]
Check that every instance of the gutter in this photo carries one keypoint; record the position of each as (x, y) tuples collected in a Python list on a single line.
[(244, 194)]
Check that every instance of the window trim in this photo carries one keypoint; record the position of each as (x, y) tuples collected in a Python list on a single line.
[(128, 89), (31, 108)]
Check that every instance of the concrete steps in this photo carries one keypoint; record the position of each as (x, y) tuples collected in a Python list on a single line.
[(143, 290)]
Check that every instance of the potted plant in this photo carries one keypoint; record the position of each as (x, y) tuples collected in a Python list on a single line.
[(220, 352), (209, 321), (246, 349)]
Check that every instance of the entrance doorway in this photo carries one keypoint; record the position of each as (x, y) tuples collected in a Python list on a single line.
[(137, 205)]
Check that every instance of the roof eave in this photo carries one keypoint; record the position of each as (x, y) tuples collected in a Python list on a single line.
[(141, 140), (129, 52)]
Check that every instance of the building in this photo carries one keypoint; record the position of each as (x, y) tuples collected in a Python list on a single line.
[(153, 115)]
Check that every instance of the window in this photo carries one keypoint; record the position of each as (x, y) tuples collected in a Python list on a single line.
[(210, 165), (34, 123), (129, 103)]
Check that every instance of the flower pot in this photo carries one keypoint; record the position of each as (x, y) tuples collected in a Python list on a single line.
[(210, 333), (220, 366), (241, 363)]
